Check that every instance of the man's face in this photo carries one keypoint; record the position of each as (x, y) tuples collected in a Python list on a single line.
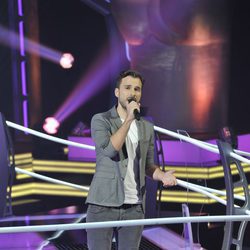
[(129, 87)]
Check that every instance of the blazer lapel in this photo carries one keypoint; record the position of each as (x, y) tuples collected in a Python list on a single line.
[(140, 129)]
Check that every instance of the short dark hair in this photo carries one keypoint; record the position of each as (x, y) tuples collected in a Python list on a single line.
[(126, 73)]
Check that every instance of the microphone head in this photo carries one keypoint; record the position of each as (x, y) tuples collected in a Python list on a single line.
[(136, 111)]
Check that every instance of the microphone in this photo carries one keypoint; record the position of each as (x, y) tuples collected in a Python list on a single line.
[(136, 111)]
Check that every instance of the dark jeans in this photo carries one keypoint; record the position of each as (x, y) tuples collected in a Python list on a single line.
[(128, 237)]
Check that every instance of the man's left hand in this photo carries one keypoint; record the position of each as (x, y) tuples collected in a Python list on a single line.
[(169, 179)]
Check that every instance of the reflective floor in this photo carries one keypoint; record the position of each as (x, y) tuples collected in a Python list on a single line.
[(154, 238), (20, 241), (73, 240)]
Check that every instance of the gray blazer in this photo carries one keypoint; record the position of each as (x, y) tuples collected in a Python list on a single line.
[(107, 188)]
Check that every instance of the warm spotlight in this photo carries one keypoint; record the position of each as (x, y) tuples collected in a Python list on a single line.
[(51, 125), (66, 61)]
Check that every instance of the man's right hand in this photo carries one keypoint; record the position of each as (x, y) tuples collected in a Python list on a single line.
[(131, 106)]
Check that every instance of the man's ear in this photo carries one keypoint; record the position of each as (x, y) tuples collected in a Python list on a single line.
[(116, 92)]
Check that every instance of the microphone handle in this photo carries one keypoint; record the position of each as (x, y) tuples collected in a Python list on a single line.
[(137, 114)]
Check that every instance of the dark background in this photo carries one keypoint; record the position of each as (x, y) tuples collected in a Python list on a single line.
[(76, 28), (73, 27), (239, 73), (85, 34)]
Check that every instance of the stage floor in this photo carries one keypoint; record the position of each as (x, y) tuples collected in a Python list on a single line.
[(154, 237)]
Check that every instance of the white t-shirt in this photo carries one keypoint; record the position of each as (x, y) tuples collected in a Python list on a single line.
[(130, 183)]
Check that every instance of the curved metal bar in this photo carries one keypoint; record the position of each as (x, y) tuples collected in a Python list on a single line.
[(207, 146), (49, 137), (241, 234), (125, 223), (181, 183), (45, 178), (211, 190), (227, 156)]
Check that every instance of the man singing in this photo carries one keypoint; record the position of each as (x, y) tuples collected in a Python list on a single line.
[(124, 156)]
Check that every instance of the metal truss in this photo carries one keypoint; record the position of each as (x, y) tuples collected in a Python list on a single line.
[(230, 228)]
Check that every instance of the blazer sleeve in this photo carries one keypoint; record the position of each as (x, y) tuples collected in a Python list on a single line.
[(101, 133)]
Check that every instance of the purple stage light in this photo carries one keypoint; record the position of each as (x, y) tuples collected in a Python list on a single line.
[(20, 8), (127, 51), (67, 60), (21, 36), (30, 46), (25, 114), (43, 51), (23, 78), (88, 86), (22, 63), (51, 125)]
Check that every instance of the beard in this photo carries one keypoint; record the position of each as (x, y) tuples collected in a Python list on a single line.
[(123, 104)]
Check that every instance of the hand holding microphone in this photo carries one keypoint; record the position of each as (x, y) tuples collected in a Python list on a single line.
[(136, 111)]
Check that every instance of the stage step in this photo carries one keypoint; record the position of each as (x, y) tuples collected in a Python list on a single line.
[(166, 239)]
